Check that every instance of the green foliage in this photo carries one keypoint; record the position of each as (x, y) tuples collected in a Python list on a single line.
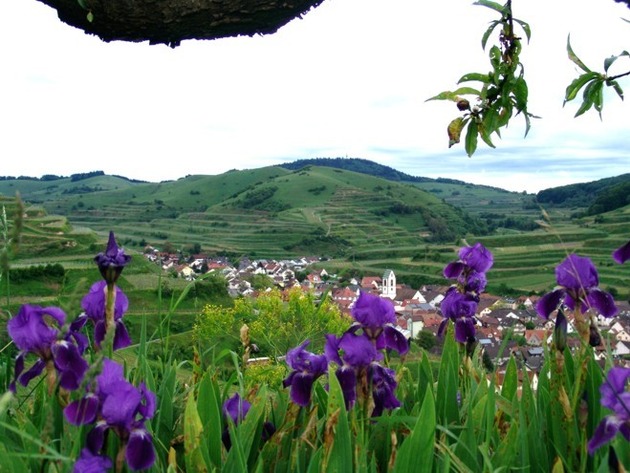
[(50, 272), (593, 82), (580, 195), (502, 92), (261, 282), (216, 327), (426, 339), (276, 324), (611, 198)]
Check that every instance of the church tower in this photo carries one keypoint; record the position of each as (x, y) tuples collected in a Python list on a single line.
[(388, 289)]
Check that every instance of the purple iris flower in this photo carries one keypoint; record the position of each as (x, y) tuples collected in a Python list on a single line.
[(120, 407), (376, 316), (358, 357), (94, 304), (90, 463), (622, 254), (373, 311), (353, 353), (112, 262), (307, 367), (578, 281), (357, 350), (617, 399), (236, 408), (472, 259), (383, 388), (38, 330), (460, 308)]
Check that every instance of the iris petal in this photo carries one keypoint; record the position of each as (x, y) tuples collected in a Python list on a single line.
[(88, 462), (395, 340), (70, 364), (548, 303), (373, 311), (622, 254), (140, 453), (301, 388), (603, 302), (96, 438), (121, 336), (357, 350), (464, 329), (236, 408), (348, 381), (33, 372), (477, 257), (453, 270), (605, 431), (577, 272), (331, 349), (82, 411)]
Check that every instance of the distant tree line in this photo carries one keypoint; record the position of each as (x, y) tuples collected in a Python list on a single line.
[(612, 198), (50, 272), (85, 175), (497, 220), (73, 177), (583, 194), (363, 166)]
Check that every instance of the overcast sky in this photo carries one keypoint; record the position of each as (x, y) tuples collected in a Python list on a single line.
[(350, 79)]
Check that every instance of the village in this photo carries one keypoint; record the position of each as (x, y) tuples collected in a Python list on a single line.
[(505, 326)]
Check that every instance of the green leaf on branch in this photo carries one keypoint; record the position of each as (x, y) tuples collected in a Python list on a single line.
[(495, 59), (609, 61), (593, 95), (492, 5), (615, 85), (490, 121), (454, 95), (574, 57), (526, 28), (520, 93), (488, 32), (454, 131), (475, 76), (598, 96), (577, 84), (485, 135), (471, 138)]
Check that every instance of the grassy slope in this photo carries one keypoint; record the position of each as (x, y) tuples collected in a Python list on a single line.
[(333, 212), (325, 211)]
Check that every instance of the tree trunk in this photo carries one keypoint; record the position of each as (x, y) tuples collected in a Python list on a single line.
[(172, 21)]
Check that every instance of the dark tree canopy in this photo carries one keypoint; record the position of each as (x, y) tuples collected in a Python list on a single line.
[(172, 21)]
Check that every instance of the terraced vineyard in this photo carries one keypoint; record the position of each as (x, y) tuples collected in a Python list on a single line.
[(359, 220)]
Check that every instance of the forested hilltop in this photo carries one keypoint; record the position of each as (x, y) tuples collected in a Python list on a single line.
[(598, 196)]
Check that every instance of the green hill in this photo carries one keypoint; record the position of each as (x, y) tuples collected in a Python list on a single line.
[(358, 218), (580, 195), (314, 209)]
